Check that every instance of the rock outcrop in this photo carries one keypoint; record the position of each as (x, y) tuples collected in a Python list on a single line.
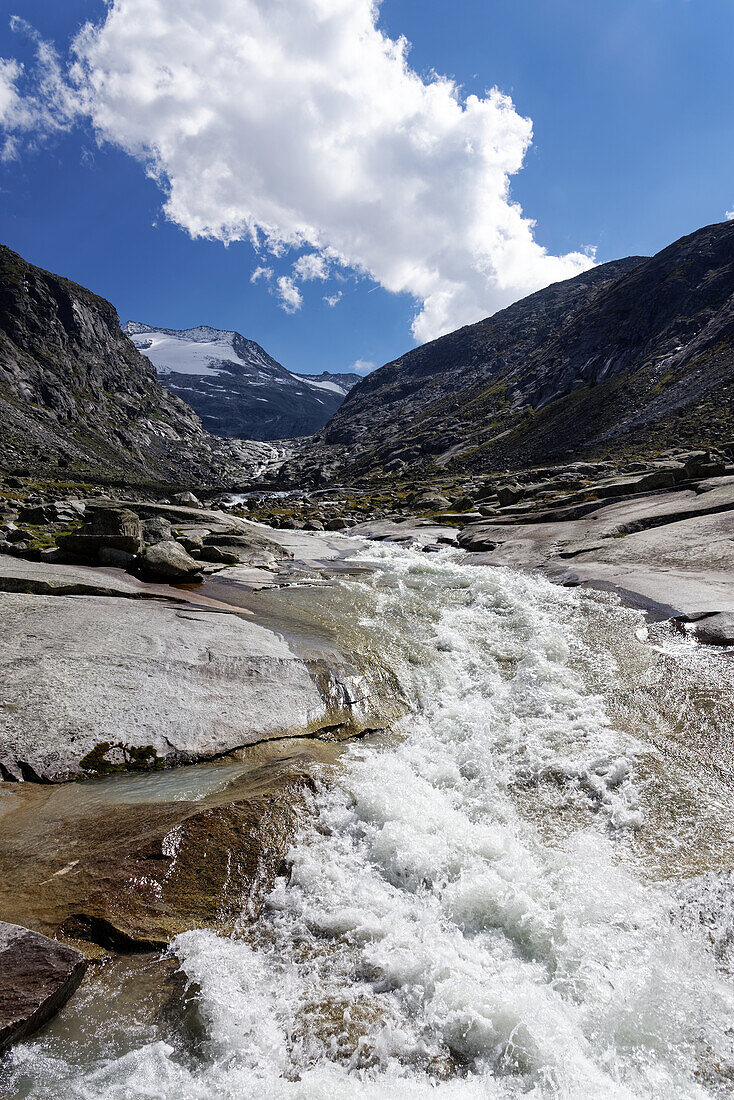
[(101, 684)]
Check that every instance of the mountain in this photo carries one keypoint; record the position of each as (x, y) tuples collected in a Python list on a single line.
[(631, 357), (76, 394), (235, 386)]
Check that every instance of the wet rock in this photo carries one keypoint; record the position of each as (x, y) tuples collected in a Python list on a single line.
[(168, 559), (713, 629), (37, 977), (162, 870), (108, 527), (137, 683)]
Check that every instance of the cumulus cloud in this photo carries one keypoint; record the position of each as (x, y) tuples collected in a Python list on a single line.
[(261, 272), (730, 215), (332, 299), (314, 265), (290, 296), (299, 123), (362, 366)]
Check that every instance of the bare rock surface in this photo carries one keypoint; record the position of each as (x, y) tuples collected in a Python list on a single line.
[(37, 977), (50, 578), (674, 549), (130, 861), (93, 684)]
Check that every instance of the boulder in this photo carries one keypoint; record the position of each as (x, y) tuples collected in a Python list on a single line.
[(188, 500), (37, 514), (156, 529), (37, 977), (253, 540), (108, 555), (222, 555), (115, 529), (508, 494), (191, 543), (168, 559), (714, 629), (432, 502), (476, 539)]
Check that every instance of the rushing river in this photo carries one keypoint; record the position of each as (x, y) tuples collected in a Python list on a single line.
[(520, 893)]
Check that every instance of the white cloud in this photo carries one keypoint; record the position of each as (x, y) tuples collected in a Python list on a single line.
[(730, 215), (311, 266), (261, 272), (362, 366), (332, 299), (298, 123), (37, 104), (290, 296)]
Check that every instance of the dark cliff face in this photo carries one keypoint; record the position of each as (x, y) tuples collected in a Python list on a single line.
[(634, 355), (75, 393)]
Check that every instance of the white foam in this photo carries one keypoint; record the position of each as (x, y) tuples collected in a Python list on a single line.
[(435, 904)]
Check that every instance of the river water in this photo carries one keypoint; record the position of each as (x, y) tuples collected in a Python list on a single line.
[(522, 892)]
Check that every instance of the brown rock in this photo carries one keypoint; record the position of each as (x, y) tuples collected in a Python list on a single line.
[(37, 977)]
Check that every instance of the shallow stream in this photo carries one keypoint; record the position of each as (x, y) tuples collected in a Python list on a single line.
[(522, 892)]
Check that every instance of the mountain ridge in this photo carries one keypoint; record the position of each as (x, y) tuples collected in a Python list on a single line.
[(627, 355), (261, 399), (76, 394)]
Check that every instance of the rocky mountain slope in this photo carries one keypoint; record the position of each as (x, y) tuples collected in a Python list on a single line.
[(629, 358), (77, 397), (235, 386)]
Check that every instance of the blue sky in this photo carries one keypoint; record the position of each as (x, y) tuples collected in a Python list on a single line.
[(632, 108)]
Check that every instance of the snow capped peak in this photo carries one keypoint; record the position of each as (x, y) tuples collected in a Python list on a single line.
[(200, 350), (234, 385)]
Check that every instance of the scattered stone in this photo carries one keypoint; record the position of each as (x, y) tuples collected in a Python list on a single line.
[(37, 977)]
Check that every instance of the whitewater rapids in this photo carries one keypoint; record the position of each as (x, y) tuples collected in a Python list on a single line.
[(519, 893)]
